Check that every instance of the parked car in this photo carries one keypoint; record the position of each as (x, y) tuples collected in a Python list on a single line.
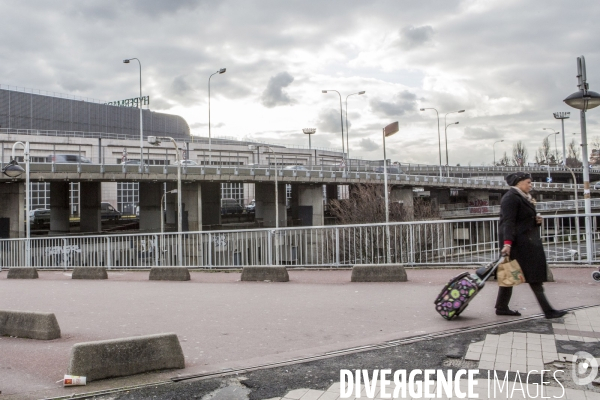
[(296, 168), (133, 162), (41, 216), (186, 163), (231, 206), (251, 208), (109, 212), (68, 158)]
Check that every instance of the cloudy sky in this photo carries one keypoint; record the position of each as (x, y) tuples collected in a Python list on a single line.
[(508, 63)]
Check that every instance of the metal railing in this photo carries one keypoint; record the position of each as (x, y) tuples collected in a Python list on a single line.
[(547, 206), (442, 243)]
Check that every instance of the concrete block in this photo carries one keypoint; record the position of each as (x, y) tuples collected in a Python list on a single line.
[(22, 273), (169, 274), (378, 273), (89, 273), (549, 274), (31, 325), (273, 274), (126, 356)]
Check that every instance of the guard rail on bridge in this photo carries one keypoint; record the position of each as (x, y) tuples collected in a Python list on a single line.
[(443, 243), (544, 207)]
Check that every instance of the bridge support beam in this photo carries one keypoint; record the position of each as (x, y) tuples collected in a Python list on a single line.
[(265, 204), (310, 205), (210, 196), (59, 208), (171, 204), (12, 200), (90, 215), (150, 194), (192, 203)]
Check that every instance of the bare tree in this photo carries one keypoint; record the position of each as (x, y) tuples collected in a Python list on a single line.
[(573, 158), (519, 154), (504, 161), (544, 154)]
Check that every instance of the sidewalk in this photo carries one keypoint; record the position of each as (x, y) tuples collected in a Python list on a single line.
[(223, 323)]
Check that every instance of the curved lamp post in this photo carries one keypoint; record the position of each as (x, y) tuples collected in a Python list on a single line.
[(13, 170), (141, 169), (387, 131), (584, 100), (347, 131), (341, 118), (221, 71), (494, 149), (155, 141), (439, 138), (555, 132), (446, 135)]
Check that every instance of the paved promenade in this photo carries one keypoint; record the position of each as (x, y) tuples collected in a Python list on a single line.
[(223, 323)]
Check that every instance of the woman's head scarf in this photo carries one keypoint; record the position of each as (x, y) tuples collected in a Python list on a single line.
[(516, 177)]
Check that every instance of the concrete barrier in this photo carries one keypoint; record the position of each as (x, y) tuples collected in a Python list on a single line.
[(89, 273), (31, 325), (273, 274), (127, 356), (169, 274), (378, 273), (22, 273)]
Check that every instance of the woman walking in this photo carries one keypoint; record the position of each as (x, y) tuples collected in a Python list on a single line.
[(520, 239)]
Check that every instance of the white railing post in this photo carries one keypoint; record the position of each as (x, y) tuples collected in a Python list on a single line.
[(337, 247), (108, 252), (270, 247)]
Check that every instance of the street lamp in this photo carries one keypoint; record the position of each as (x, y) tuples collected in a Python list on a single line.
[(126, 61), (162, 219), (387, 131), (548, 161), (341, 119), (439, 138), (584, 100), (555, 145), (494, 149), (347, 131), (446, 136), (309, 132), (155, 141), (13, 170), (221, 71), (562, 116)]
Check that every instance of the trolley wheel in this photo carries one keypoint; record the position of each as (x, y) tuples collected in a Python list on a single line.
[(596, 276)]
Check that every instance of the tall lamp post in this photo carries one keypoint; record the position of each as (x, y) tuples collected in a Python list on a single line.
[(309, 132), (555, 145), (387, 131), (341, 118), (562, 116), (221, 71), (155, 141), (584, 100), (446, 135), (548, 161), (439, 138), (12, 170), (141, 169), (494, 149), (347, 131)]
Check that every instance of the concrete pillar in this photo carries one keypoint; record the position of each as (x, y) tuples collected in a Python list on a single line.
[(311, 197), (405, 197), (90, 214), (192, 203), (171, 206), (12, 206), (294, 204), (331, 192), (210, 203), (150, 194), (439, 197), (109, 193), (265, 204), (60, 207)]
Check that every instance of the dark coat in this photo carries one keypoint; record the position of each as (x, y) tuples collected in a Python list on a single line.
[(517, 223)]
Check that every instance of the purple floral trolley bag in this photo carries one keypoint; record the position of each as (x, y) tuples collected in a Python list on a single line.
[(457, 293)]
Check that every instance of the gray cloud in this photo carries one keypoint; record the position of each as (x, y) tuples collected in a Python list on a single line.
[(403, 102), (412, 37), (274, 95), (480, 133), (368, 145), (329, 121)]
